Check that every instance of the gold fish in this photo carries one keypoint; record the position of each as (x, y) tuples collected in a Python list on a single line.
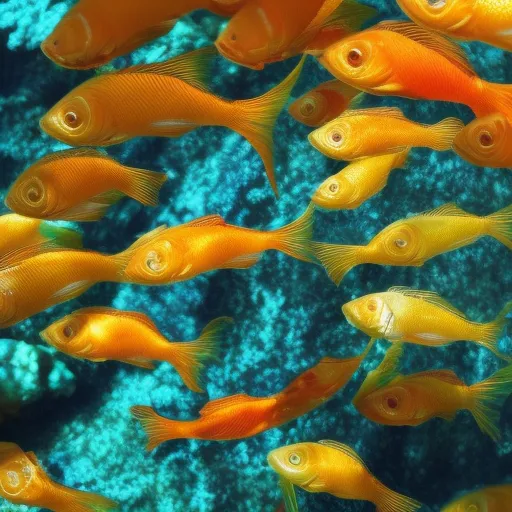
[(390, 398), (489, 499), (101, 334), (24, 482), (380, 131), (335, 468), (209, 243), (18, 232), (486, 142), (413, 241), (80, 185), (168, 99), (324, 103), (358, 182), (421, 317)]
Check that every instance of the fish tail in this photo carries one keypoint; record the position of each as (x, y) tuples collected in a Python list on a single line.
[(387, 500), (337, 260), (488, 397), (295, 239), (73, 500), (144, 186), (501, 226), (443, 133), (498, 99), (63, 237), (157, 428), (256, 118), (493, 330), (189, 358)]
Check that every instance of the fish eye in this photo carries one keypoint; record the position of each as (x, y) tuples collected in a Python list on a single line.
[(333, 187), (14, 479), (392, 402), (372, 306), (68, 331), (154, 261), (71, 119), (55, 42), (436, 3), (307, 108), (473, 508), (294, 459), (486, 139), (233, 37), (355, 57), (34, 194), (336, 138), (401, 243)]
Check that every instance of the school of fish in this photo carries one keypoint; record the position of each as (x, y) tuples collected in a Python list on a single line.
[(43, 264)]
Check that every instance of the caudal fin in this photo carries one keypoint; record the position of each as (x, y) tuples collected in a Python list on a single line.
[(337, 260), (157, 428), (390, 501), (80, 501), (256, 118), (190, 358), (144, 186), (63, 237), (488, 397), (443, 134), (501, 226), (493, 330)]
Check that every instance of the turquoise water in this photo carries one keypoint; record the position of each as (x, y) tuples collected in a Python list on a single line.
[(75, 415)]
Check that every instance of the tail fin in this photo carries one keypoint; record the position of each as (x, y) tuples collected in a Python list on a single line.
[(189, 358), (144, 186), (256, 119), (492, 332), (338, 260), (157, 428), (80, 501), (61, 236), (501, 226), (295, 239), (488, 397), (443, 134), (391, 501)]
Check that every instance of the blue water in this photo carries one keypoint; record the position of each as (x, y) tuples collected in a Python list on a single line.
[(75, 415)]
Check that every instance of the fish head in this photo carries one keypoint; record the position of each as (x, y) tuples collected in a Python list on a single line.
[(17, 472), (486, 141), (371, 314), (8, 306), (399, 243), (335, 193), (474, 502), (310, 109), (334, 139)]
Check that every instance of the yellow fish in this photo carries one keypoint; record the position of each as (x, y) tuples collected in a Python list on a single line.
[(489, 499), (358, 182), (421, 317), (104, 334), (379, 131), (80, 185), (390, 398), (413, 241), (335, 468)]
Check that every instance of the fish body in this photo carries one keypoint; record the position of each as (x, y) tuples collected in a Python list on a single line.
[(79, 185), (414, 241), (497, 498), (396, 58), (106, 334), (208, 243), (334, 468), (358, 182), (23, 481), (380, 131), (473, 20)]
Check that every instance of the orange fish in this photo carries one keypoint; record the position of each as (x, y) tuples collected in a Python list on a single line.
[(23, 481), (490, 499), (390, 398), (206, 244), (396, 58), (104, 334), (93, 32), (241, 416), (18, 232), (167, 99), (80, 185), (265, 31), (324, 103)]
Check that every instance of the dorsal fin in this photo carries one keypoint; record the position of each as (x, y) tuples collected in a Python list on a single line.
[(344, 449), (428, 296), (208, 220), (445, 375), (431, 40), (74, 153), (447, 210), (388, 112), (24, 253), (224, 403), (133, 315), (148, 237), (192, 67)]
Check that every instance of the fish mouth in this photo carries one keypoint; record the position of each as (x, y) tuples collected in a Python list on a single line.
[(350, 315), (228, 52), (44, 336), (314, 140), (274, 463)]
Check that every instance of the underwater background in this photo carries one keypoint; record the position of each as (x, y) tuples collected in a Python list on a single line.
[(75, 415)]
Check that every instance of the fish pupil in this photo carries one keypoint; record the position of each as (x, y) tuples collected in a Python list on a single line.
[(68, 331), (294, 459), (392, 403), (333, 187), (436, 3), (33, 195), (233, 37), (308, 108), (400, 243), (355, 57), (372, 306), (336, 137), (486, 139), (71, 119)]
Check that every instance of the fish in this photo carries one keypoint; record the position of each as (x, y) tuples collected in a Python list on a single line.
[(390, 398), (23, 481), (399, 58), (413, 241), (80, 185), (380, 131), (19, 232), (183, 252), (335, 468), (489, 23), (167, 99), (358, 182), (35, 278), (496, 498), (91, 34), (486, 142), (242, 416), (422, 317), (265, 31), (101, 334), (324, 103)]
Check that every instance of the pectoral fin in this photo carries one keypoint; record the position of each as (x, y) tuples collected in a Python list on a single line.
[(244, 261), (141, 363), (71, 291), (387, 88)]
